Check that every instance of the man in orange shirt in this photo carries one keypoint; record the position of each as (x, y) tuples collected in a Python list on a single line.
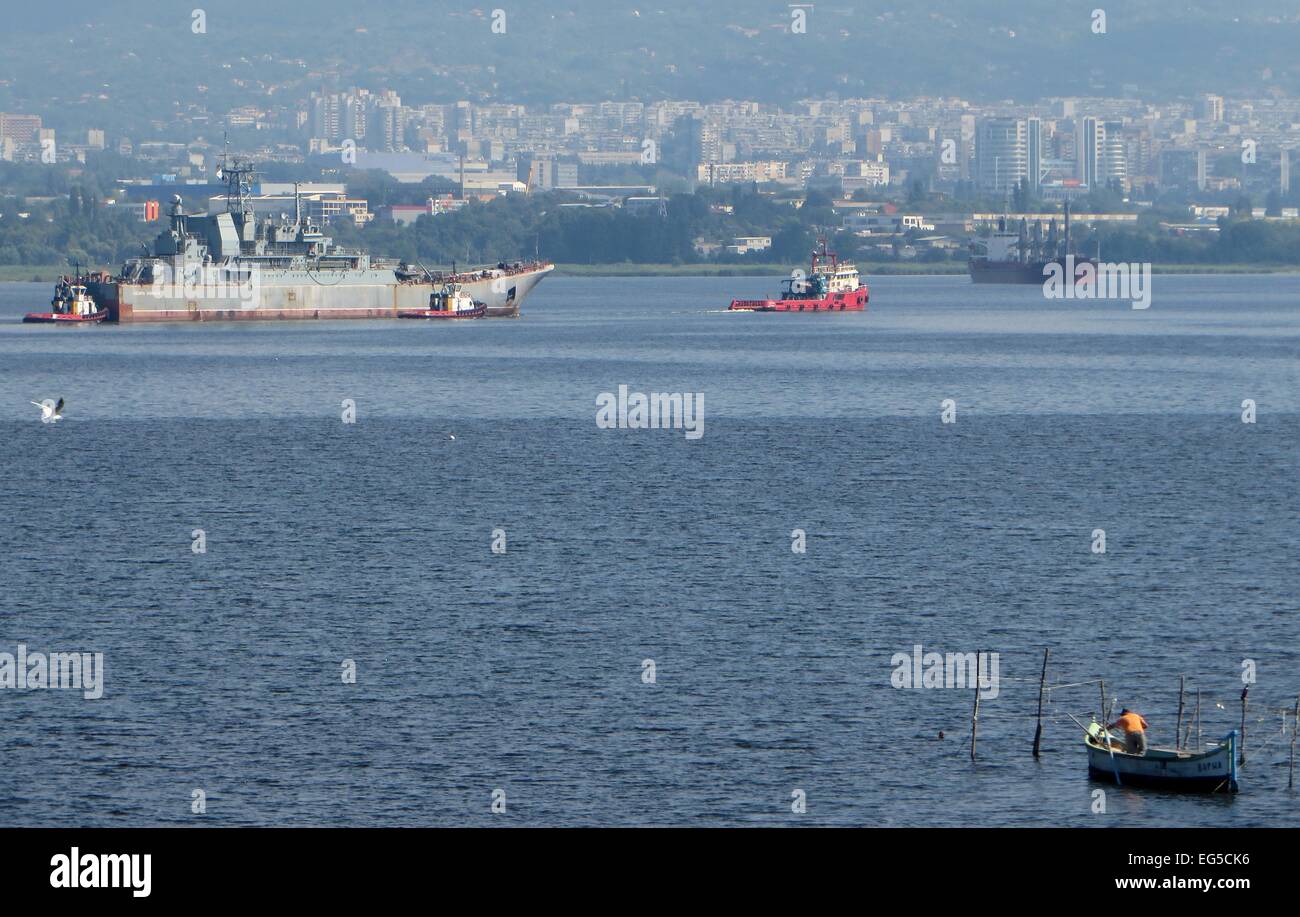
[(1135, 727)]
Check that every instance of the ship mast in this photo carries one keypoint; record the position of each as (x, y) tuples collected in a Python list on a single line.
[(238, 177)]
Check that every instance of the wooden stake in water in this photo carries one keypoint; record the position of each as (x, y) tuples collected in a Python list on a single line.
[(975, 714), (1241, 759), (1042, 682), (1178, 730), (1191, 722), (1295, 727)]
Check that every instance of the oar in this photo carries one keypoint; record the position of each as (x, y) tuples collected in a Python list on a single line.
[(1077, 723), (1109, 747)]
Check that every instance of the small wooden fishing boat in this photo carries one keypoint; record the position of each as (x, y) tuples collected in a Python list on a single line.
[(1213, 770), (450, 302)]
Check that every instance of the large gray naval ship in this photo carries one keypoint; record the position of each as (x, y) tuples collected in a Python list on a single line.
[(234, 265)]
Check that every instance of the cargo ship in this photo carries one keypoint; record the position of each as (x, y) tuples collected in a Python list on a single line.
[(1022, 255), (233, 266), (829, 286)]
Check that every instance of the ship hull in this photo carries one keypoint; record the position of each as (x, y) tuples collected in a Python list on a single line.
[(62, 318), (303, 296), (437, 314)]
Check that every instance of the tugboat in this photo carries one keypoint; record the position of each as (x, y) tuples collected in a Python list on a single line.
[(828, 287), (71, 305), (449, 302)]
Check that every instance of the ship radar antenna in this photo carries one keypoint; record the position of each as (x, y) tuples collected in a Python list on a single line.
[(238, 177)]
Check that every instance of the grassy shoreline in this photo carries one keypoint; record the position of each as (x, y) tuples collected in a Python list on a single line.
[(739, 270), (38, 273), (868, 268), (34, 273)]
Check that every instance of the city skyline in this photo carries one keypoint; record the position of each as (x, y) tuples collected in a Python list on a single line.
[(1067, 144)]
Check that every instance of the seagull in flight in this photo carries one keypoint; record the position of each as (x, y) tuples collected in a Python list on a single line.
[(50, 414)]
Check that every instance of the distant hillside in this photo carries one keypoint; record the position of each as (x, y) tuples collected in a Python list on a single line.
[(139, 61)]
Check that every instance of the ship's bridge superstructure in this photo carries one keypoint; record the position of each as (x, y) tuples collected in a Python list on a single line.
[(826, 275), (238, 239), (843, 279)]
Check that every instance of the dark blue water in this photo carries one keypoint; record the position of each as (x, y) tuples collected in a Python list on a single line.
[(523, 672)]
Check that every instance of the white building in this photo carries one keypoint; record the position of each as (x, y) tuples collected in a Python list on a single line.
[(723, 173), (1001, 154), (743, 245)]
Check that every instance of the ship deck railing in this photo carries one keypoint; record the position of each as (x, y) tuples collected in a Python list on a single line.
[(487, 273)]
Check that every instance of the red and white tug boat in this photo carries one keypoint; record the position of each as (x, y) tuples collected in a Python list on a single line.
[(828, 287), (450, 302), (71, 305)]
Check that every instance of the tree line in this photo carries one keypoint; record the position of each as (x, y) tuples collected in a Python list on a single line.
[(75, 225)]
